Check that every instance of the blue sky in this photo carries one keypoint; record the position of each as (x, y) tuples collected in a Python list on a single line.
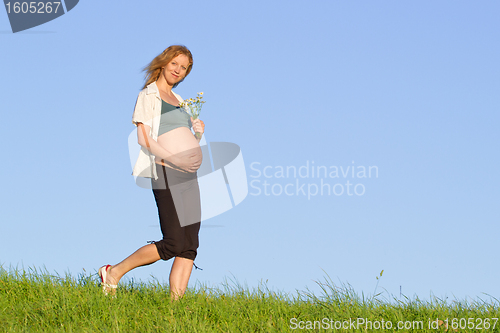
[(410, 88)]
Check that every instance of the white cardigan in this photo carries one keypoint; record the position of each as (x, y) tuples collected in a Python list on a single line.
[(148, 111)]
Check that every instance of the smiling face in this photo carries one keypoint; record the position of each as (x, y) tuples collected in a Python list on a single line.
[(175, 70)]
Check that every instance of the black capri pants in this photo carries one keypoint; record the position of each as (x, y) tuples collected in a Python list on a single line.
[(177, 196)]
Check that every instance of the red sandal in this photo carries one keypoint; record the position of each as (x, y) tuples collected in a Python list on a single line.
[(103, 272)]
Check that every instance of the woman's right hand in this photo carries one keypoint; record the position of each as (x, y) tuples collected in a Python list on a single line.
[(190, 161)]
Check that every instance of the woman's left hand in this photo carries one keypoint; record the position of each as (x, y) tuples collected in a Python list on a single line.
[(198, 125)]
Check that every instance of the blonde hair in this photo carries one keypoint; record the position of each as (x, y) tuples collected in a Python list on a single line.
[(153, 70)]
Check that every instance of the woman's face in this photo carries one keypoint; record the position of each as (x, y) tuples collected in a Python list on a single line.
[(175, 70)]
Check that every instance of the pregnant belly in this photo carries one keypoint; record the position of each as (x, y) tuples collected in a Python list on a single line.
[(181, 142)]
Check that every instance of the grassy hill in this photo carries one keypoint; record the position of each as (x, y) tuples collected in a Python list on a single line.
[(33, 301)]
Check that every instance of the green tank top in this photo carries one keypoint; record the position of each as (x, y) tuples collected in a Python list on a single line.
[(172, 117)]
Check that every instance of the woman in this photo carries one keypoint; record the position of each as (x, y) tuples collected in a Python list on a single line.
[(170, 155)]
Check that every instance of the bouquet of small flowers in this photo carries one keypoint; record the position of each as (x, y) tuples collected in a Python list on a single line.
[(194, 105)]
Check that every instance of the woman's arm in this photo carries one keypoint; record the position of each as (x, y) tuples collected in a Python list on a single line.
[(198, 127), (187, 163)]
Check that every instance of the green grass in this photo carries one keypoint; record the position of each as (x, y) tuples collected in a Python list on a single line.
[(34, 301)]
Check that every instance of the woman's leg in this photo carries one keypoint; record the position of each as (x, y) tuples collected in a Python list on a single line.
[(183, 263), (179, 277), (146, 255)]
